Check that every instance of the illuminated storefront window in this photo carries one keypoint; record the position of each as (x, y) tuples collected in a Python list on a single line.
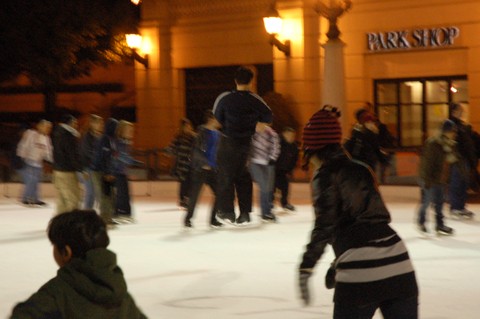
[(413, 109)]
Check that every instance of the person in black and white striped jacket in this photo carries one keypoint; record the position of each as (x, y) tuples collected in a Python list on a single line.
[(263, 155), (372, 268)]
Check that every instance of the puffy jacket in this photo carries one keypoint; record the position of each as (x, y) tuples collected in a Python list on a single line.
[(438, 154), (92, 288)]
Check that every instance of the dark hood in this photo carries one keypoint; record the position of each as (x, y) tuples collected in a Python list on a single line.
[(111, 127), (97, 277)]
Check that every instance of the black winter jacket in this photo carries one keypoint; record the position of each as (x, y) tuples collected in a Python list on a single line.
[(351, 215), (364, 146), (66, 150), (288, 156)]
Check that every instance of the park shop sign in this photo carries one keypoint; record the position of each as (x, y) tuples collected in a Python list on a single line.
[(412, 39)]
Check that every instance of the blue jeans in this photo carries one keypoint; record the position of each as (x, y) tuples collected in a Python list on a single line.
[(457, 190), (391, 309), (264, 176), (31, 177), (432, 195), (89, 192)]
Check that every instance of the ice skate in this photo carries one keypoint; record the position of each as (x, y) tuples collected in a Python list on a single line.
[(226, 218), (243, 219), (215, 224), (187, 225), (270, 218), (422, 229), (461, 214), (444, 230), (289, 208)]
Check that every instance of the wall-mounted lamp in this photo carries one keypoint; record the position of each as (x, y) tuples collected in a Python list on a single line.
[(134, 42), (273, 25)]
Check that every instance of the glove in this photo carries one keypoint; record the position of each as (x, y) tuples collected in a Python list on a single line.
[(330, 277), (304, 275)]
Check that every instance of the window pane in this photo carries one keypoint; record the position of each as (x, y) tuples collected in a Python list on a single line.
[(387, 93), (437, 92), (411, 92), (411, 125), (459, 90), (436, 114), (388, 116)]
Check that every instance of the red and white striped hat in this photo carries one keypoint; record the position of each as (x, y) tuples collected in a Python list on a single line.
[(322, 129)]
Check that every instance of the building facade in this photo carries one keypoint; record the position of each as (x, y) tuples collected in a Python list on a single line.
[(408, 58)]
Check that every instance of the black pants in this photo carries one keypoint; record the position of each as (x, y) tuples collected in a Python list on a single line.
[(122, 196), (282, 184), (198, 178), (184, 191), (391, 309), (232, 158), (244, 190)]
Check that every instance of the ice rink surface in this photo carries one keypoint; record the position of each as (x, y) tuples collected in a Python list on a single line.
[(235, 272)]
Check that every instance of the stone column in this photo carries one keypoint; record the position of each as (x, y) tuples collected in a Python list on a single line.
[(333, 90), (157, 114)]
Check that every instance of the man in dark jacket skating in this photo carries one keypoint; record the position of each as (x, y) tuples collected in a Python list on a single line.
[(66, 164), (239, 112)]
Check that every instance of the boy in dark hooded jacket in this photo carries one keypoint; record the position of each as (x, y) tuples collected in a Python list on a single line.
[(89, 283)]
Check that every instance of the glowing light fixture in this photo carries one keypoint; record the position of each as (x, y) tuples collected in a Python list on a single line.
[(134, 42), (135, 2), (273, 25)]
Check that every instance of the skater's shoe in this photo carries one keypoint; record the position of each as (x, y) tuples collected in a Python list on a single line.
[(225, 218), (188, 224), (27, 203), (124, 220), (183, 204), (215, 224), (243, 219), (461, 213), (269, 218), (423, 230), (289, 207), (39, 203), (444, 230)]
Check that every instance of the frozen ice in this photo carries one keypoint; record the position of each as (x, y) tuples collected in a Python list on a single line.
[(236, 272)]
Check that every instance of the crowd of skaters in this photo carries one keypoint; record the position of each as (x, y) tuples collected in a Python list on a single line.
[(236, 146), (97, 159)]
